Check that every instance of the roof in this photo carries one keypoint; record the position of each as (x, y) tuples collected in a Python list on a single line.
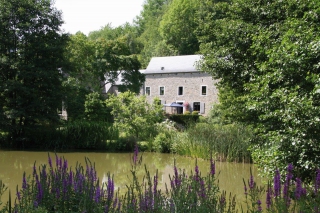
[(173, 64)]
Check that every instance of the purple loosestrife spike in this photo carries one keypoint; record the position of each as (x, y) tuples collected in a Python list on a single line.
[(18, 195), (251, 182), (98, 194), (106, 209), (268, 197), (155, 184), (203, 189), (277, 184), (35, 204), (70, 179), (24, 181), (287, 184), (197, 176), (212, 167), (110, 188), (177, 180), (259, 206)]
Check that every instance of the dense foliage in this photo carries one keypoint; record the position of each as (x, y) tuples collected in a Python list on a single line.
[(31, 53), (133, 115), (266, 55)]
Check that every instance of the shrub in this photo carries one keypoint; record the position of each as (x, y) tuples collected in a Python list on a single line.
[(186, 119), (83, 134)]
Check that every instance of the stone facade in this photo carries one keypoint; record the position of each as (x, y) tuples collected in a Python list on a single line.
[(198, 90)]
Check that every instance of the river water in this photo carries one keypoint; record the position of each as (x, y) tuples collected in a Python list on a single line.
[(14, 163)]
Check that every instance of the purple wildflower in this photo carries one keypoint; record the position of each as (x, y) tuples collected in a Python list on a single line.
[(212, 167), (300, 191), (277, 184), (177, 180), (155, 185), (268, 198), (202, 189), (115, 202), (24, 182), (18, 195), (35, 204), (222, 199), (106, 209), (251, 182), (259, 206), (98, 194), (287, 184), (110, 188), (34, 169), (197, 174), (70, 178)]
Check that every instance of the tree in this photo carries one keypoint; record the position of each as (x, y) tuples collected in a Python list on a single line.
[(149, 35), (31, 53), (132, 114), (178, 26), (266, 55), (98, 62)]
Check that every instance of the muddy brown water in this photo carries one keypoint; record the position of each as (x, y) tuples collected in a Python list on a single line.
[(14, 163)]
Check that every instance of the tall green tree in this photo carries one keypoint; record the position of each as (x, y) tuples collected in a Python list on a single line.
[(31, 53), (178, 26), (149, 34), (266, 55)]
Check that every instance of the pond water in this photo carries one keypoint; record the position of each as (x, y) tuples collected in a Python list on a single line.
[(14, 163)]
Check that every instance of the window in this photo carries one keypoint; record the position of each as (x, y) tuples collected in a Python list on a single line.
[(196, 106), (203, 90), (148, 91), (161, 90), (180, 90)]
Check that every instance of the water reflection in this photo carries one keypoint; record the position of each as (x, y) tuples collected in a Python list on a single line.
[(14, 163)]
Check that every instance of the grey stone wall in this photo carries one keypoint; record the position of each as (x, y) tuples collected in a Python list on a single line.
[(191, 83)]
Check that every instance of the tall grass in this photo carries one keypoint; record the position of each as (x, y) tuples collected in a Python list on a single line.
[(226, 142)]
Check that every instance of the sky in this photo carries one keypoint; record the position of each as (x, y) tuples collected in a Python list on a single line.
[(91, 15)]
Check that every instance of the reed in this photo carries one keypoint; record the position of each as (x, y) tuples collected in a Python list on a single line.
[(227, 142)]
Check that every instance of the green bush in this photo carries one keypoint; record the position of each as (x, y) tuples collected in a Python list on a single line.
[(88, 134), (195, 112), (186, 119), (162, 142)]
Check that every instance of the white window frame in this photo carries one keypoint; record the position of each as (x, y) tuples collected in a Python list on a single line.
[(149, 91), (199, 106), (182, 90), (201, 90), (160, 90)]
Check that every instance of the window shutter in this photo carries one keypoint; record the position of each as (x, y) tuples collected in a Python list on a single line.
[(202, 108), (192, 106), (162, 103)]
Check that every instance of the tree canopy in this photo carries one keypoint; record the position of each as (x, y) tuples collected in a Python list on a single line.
[(266, 55), (31, 53)]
